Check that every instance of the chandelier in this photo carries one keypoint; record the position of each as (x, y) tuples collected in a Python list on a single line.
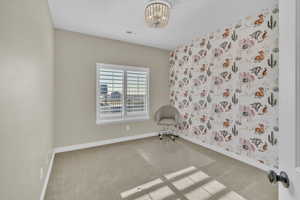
[(157, 13)]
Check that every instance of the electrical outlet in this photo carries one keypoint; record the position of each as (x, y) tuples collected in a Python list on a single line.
[(41, 173), (127, 127)]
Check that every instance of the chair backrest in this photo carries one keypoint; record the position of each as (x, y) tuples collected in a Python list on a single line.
[(167, 112)]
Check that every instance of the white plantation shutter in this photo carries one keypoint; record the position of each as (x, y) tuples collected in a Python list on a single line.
[(122, 93), (137, 93), (110, 94)]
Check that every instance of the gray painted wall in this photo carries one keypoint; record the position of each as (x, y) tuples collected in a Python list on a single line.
[(75, 85), (26, 97)]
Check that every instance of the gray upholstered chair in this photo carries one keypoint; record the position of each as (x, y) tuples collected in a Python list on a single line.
[(167, 117)]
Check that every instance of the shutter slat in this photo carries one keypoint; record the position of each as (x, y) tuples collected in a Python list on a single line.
[(137, 86), (111, 99)]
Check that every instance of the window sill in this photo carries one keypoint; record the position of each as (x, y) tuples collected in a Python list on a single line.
[(118, 121)]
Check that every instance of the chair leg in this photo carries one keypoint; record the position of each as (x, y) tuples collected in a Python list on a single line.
[(172, 137), (160, 136), (167, 132)]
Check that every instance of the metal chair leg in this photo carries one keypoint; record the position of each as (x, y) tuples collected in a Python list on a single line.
[(167, 132)]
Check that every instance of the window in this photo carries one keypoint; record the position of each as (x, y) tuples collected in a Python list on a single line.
[(122, 93)]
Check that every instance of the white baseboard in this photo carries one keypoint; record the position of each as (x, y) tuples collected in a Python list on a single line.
[(47, 177), (136, 137), (244, 159), (102, 142), (230, 154), (85, 146)]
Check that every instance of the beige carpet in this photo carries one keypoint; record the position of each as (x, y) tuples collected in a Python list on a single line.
[(150, 169)]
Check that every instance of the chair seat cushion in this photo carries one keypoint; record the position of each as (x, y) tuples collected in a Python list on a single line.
[(167, 122)]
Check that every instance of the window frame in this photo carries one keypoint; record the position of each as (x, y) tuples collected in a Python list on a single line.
[(125, 117)]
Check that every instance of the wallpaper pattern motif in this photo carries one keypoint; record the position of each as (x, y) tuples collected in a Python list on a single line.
[(225, 85)]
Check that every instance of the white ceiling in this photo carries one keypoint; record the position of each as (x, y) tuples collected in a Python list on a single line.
[(189, 19)]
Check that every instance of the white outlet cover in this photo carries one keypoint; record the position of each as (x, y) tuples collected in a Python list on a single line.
[(127, 127)]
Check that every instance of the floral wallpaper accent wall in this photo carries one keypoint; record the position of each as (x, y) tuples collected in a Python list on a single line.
[(225, 85)]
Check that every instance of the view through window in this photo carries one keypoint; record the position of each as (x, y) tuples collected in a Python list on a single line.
[(122, 93)]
